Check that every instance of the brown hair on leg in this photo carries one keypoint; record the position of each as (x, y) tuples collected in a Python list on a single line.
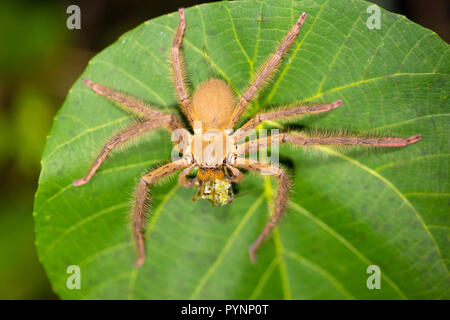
[(126, 102), (336, 139), (267, 69), (283, 113), (281, 199), (179, 72), (124, 136), (141, 201)]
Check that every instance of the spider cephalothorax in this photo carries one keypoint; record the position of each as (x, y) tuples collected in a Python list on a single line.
[(214, 149)]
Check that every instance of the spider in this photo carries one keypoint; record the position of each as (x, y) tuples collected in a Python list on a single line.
[(212, 111)]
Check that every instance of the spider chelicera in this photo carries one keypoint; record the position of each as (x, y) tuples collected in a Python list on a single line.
[(212, 112)]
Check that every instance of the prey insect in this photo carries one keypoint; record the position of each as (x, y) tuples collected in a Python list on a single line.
[(215, 107)]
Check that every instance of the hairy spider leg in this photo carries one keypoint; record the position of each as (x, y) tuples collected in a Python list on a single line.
[(280, 200), (296, 139), (337, 139), (152, 119), (142, 199), (128, 103), (267, 69), (179, 71), (124, 136), (283, 112)]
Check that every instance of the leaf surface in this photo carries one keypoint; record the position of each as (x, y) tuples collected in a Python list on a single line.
[(348, 210)]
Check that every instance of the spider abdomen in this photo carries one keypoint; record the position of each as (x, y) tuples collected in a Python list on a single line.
[(213, 104)]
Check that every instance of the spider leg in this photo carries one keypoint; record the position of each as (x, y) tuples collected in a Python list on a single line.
[(123, 136), (283, 188), (129, 104), (179, 71), (283, 113), (280, 200), (236, 175), (268, 68), (142, 199), (182, 180), (387, 142), (299, 140)]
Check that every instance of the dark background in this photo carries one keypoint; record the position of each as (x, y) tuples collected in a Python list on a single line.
[(39, 61)]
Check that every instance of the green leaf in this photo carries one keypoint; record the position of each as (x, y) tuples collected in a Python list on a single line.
[(347, 210)]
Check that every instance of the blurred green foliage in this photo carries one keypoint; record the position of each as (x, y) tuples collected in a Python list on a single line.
[(21, 275), (27, 104), (31, 117), (33, 29)]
